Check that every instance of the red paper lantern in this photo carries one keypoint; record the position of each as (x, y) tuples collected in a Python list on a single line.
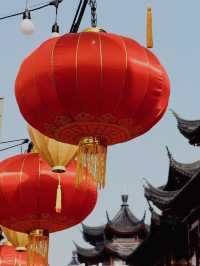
[(10, 257), (27, 198), (92, 89)]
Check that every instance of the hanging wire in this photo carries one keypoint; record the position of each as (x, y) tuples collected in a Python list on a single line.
[(27, 2), (79, 15), (76, 15), (11, 141), (23, 141), (77, 19), (56, 6), (32, 9)]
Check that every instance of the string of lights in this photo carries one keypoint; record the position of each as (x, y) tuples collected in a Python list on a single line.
[(27, 26), (33, 8)]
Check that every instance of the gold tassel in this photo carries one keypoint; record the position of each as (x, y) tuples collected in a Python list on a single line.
[(38, 247), (59, 196), (149, 28), (91, 161)]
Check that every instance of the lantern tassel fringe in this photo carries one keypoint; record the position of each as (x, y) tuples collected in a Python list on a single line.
[(38, 245), (149, 28), (91, 161), (59, 196)]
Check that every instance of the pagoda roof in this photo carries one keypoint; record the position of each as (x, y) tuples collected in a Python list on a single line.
[(190, 129), (93, 231), (179, 202), (159, 197), (179, 173), (124, 223), (107, 250)]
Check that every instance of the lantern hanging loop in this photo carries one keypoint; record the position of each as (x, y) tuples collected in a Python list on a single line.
[(93, 5)]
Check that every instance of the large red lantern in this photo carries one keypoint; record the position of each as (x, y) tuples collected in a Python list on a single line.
[(92, 89), (10, 257), (27, 199)]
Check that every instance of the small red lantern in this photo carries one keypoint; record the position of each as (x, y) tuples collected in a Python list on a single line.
[(27, 199), (93, 89), (10, 257)]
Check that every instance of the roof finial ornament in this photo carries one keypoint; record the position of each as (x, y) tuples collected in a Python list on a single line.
[(124, 200)]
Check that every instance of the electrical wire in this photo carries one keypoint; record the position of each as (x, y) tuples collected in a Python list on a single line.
[(78, 16), (23, 141), (33, 8), (15, 140), (11, 147), (77, 19)]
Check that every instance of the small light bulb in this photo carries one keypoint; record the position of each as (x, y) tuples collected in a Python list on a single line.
[(27, 26), (55, 30)]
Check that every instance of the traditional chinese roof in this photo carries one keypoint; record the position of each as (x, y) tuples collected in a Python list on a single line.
[(159, 197), (179, 202), (93, 235), (119, 237), (189, 129), (123, 224), (116, 248), (167, 237), (179, 173)]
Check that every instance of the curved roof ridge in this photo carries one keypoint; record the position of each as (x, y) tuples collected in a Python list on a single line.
[(158, 197), (157, 191), (183, 167), (189, 129), (184, 121), (93, 230), (89, 252)]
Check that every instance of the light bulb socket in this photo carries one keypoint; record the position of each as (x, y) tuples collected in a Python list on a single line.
[(55, 28), (27, 14)]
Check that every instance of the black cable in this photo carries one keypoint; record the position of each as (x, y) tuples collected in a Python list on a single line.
[(11, 147), (76, 25), (76, 15), (15, 140), (52, 3)]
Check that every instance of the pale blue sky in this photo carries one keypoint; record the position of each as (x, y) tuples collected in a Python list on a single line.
[(177, 44)]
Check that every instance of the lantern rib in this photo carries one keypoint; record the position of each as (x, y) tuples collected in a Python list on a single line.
[(101, 74), (125, 78)]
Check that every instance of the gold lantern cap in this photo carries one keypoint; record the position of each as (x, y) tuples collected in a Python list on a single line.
[(94, 29)]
